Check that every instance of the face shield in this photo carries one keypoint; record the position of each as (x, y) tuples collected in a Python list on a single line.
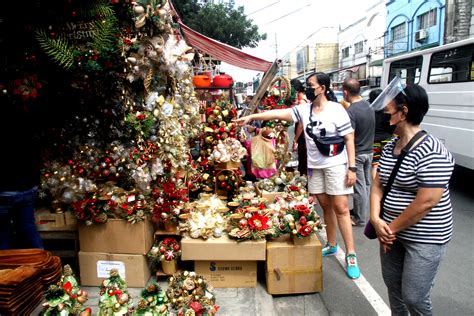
[(388, 94)]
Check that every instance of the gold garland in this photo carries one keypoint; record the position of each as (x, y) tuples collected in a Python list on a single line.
[(147, 81)]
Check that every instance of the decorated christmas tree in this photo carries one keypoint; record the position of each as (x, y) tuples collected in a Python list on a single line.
[(66, 298), (114, 298)]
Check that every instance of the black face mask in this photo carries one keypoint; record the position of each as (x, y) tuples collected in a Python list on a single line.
[(310, 94)]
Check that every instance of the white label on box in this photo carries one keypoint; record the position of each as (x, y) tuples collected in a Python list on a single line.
[(104, 267)]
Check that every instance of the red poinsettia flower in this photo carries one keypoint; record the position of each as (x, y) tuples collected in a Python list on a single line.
[(67, 286), (258, 222), (304, 231), (302, 209)]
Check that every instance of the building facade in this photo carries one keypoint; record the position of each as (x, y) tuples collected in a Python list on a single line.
[(361, 48), (413, 25)]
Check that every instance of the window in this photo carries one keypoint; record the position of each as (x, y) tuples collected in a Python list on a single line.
[(359, 47), (399, 32), (427, 19), (452, 65), (345, 52), (409, 70)]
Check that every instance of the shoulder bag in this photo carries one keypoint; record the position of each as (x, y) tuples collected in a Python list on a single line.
[(369, 230)]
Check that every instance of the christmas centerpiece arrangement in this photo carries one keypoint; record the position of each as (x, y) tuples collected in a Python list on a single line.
[(167, 252), (65, 298), (153, 302), (252, 222), (205, 218), (190, 294)]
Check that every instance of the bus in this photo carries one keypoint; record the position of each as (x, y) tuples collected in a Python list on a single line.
[(447, 74)]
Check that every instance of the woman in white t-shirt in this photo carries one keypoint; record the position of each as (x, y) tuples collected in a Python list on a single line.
[(331, 167)]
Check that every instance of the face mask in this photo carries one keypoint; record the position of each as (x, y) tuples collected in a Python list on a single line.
[(310, 95)]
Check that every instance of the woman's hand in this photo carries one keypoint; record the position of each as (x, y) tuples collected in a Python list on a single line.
[(384, 233), (242, 120), (295, 145), (350, 178)]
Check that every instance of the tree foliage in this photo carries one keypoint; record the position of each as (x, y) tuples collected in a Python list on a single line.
[(221, 22)]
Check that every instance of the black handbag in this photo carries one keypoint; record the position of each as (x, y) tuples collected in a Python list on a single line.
[(327, 146), (369, 230)]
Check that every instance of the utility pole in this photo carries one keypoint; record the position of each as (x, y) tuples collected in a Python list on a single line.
[(276, 46)]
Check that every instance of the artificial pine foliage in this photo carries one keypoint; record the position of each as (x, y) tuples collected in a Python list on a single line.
[(58, 49)]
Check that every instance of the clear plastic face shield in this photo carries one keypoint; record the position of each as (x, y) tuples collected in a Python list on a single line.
[(388, 94)]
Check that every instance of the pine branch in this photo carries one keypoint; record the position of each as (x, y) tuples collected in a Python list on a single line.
[(58, 49), (100, 9), (103, 33)]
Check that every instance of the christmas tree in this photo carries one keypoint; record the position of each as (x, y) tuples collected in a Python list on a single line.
[(65, 298), (114, 298)]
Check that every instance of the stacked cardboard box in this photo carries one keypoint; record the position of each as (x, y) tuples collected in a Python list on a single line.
[(115, 244), (294, 268), (223, 261)]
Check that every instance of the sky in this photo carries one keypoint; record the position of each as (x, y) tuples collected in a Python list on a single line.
[(288, 23)]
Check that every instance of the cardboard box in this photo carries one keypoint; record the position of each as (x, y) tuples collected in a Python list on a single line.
[(95, 266), (47, 218), (117, 236), (223, 249), (221, 274), (294, 269)]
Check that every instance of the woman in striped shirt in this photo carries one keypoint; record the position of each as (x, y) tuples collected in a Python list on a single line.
[(417, 220)]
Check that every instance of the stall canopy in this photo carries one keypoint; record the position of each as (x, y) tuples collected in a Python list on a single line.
[(221, 51)]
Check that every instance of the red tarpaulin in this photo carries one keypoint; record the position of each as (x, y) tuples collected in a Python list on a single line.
[(221, 51)]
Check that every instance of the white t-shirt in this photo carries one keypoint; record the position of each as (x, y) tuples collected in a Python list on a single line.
[(334, 120)]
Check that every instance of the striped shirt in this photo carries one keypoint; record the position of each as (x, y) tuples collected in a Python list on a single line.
[(334, 120), (428, 165)]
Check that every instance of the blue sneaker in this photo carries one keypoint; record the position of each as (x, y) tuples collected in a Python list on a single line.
[(353, 271), (329, 250)]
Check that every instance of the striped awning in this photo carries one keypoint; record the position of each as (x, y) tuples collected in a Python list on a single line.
[(221, 51)]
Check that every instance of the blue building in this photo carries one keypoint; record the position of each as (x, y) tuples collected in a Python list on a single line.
[(413, 25)]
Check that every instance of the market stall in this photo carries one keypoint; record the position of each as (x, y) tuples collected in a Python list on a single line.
[(150, 181)]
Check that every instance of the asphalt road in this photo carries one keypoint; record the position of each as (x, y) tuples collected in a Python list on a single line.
[(452, 292)]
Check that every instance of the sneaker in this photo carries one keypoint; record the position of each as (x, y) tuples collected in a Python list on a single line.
[(353, 271), (329, 250)]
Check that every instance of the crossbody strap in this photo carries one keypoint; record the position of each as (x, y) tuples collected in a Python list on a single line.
[(394, 172)]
